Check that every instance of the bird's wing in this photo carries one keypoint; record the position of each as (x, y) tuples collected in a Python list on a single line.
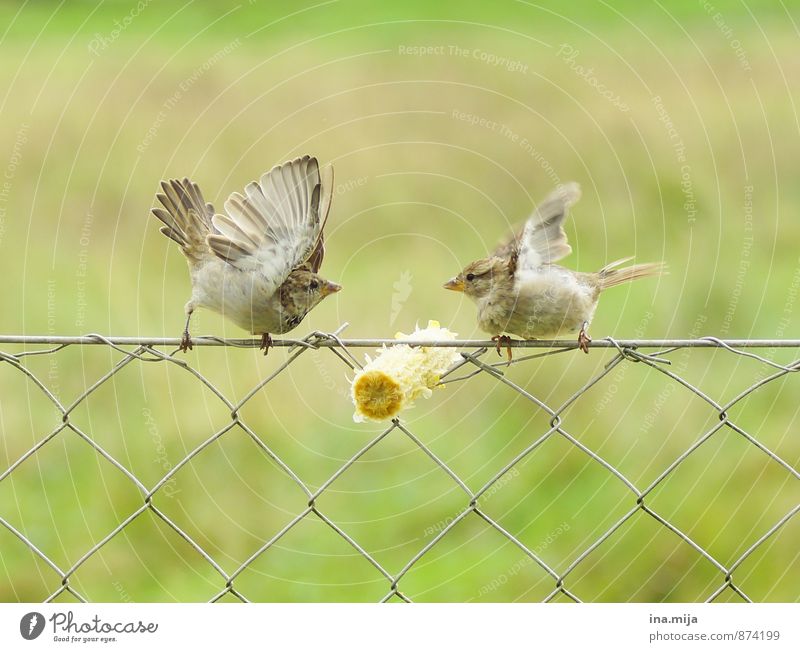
[(186, 216), (542, 239), (314, 261), (276, 226)]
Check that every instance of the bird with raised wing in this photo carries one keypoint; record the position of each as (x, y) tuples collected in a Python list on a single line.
[(258, 263), (519, 290)]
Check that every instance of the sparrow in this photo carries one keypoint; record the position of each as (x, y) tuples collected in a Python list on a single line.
[(258, 263), (519, 290)]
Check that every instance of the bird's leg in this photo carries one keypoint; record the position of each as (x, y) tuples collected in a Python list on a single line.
[(583, 338), (500, 341), (186, 340), (266, 342)]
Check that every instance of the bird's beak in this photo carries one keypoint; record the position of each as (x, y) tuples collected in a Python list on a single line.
[(330, 288), (455, 284)]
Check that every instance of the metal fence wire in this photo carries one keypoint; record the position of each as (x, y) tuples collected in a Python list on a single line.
[(474, 362)]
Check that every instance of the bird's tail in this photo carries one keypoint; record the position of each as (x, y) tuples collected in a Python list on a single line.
[(611, 276), (187, 218)]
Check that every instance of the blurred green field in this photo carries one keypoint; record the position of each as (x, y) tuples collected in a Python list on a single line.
[(680, 123)]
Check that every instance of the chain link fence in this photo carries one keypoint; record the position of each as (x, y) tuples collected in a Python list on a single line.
[(478, 361)]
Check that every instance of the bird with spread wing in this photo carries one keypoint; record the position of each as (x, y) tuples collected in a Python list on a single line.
[(258, 263), (519, 289)]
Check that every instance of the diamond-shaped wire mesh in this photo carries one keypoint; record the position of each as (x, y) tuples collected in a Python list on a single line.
[(194, 543)]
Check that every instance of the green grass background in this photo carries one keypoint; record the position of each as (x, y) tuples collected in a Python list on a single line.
[(85, 138)]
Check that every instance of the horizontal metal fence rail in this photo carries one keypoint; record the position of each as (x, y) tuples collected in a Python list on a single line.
[(473, 362), (329, 340)]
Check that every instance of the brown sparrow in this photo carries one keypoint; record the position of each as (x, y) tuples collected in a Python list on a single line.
[(520, 291), (257, 264)]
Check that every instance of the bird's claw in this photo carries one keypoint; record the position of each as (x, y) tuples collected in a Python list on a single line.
[(266, 342), (186, 342), (503, 341), (583, 339)]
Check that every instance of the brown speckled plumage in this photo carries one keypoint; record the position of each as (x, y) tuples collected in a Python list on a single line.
[(520, 291), (256, 264)]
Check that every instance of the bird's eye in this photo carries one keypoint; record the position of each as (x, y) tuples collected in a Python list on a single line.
[(470, 277), (313, 285)]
